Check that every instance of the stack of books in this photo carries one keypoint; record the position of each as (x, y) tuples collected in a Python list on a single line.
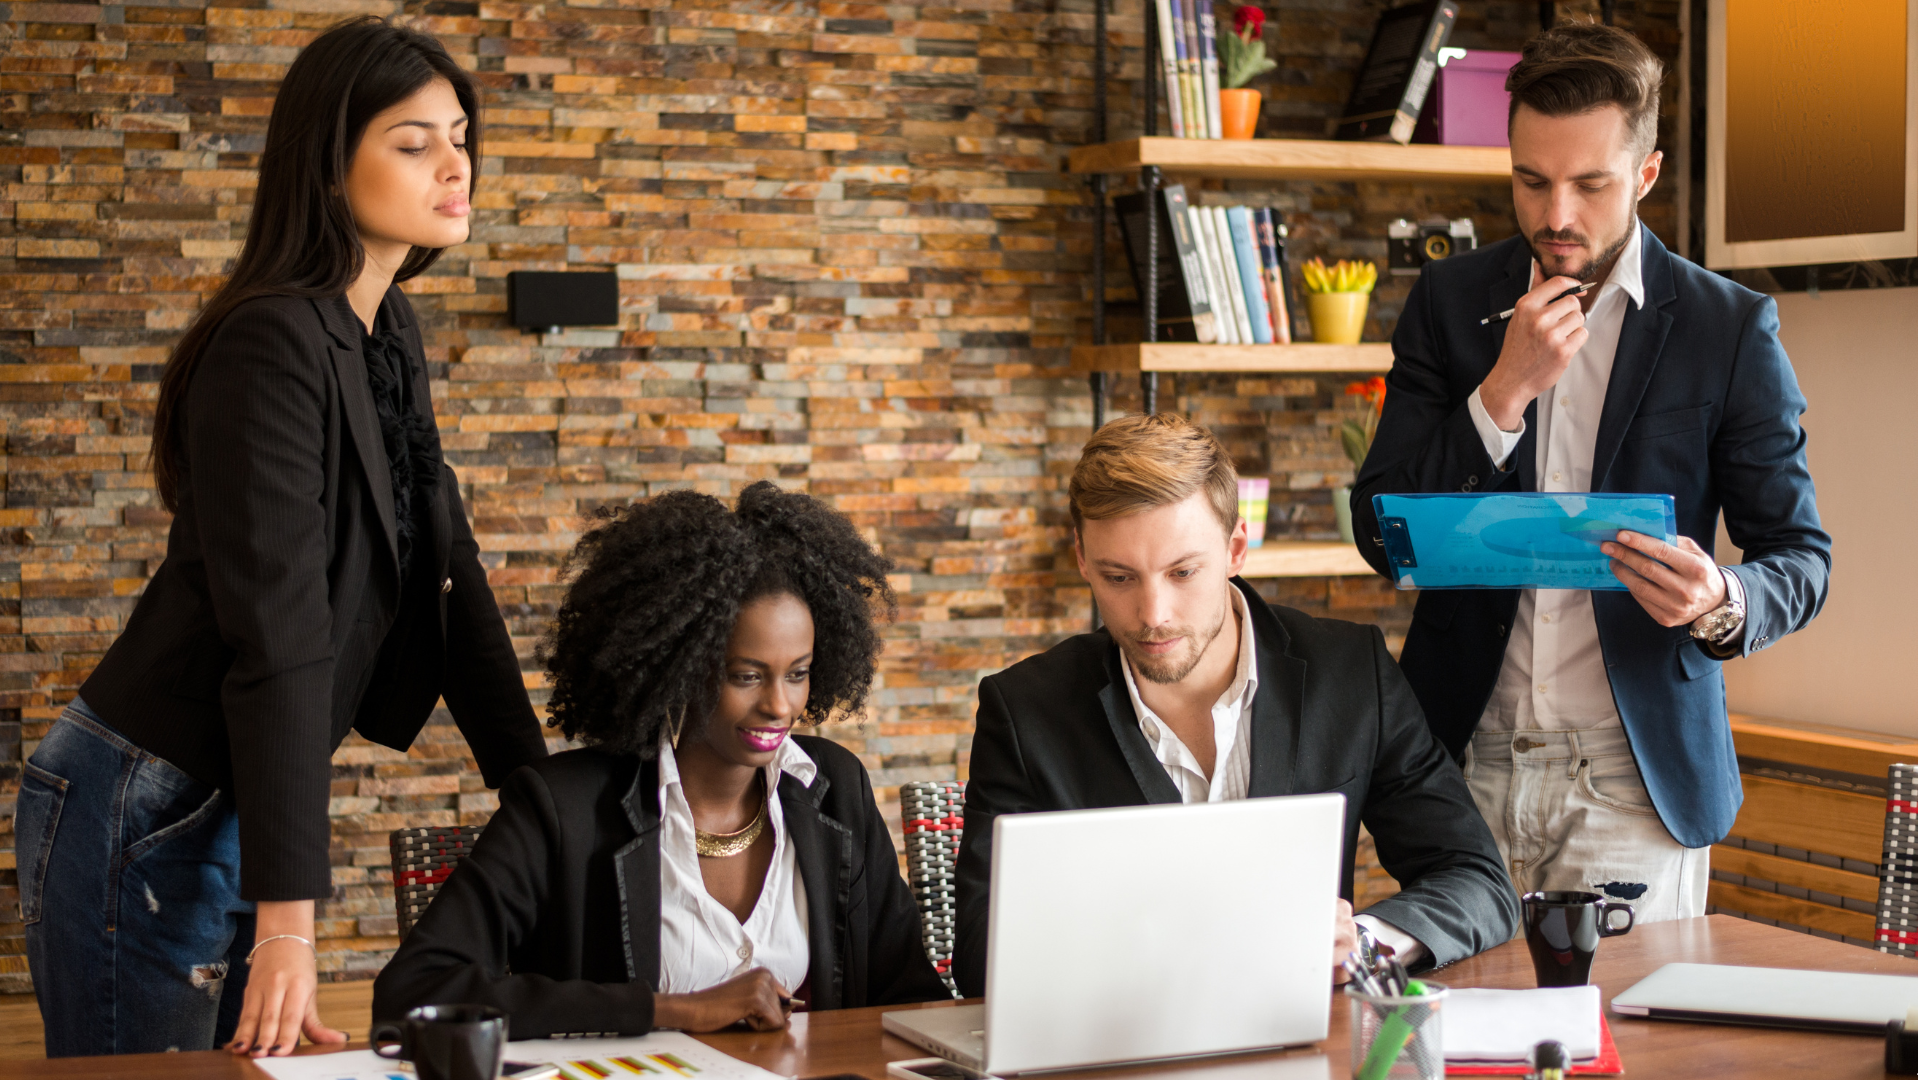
[(1222, 277), (1191, 62)]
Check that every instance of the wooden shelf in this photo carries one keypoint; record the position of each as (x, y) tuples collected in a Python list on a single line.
[(1818, 746), (1303, 558), (1288, 159), (1370, 357)]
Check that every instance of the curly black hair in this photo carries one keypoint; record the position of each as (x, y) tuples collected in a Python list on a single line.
[(639, 645)]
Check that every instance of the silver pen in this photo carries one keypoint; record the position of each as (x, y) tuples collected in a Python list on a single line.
[(1508, 314)]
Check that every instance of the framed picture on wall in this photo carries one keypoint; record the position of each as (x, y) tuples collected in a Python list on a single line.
[(1810, 132)]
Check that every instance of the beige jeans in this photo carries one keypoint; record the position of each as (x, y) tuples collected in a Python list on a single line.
[(1569, 811)]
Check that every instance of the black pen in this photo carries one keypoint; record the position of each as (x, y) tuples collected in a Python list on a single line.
[(1508, 314)]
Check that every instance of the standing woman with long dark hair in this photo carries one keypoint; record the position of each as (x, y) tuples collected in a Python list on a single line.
[(172, 829)]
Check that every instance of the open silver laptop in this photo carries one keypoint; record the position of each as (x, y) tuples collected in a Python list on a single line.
[(1150, 932)]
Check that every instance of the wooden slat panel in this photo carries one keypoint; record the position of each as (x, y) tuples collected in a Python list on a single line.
[(1178, 356), (1859, 753), (1812, 818), (1299, 558), (1854, 924), (1282, 159), (1802, 875)]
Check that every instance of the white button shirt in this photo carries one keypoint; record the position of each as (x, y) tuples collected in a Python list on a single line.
[(1232, 753), (701, 943), (1553, 677)]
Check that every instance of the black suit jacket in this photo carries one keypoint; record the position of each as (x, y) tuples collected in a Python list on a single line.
[(1702, 405), (1332, 713), (276, 623), (555, 917)]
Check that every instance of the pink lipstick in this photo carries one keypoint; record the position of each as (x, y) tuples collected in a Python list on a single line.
[(763, 740)]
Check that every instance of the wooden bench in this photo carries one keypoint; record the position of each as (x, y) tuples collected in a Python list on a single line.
[(1805, 851)]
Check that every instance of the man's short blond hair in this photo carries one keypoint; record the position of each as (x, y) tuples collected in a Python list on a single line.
[(1139, 463)]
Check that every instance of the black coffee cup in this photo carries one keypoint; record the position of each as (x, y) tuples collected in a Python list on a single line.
[(1563, 930), (447, 1042)]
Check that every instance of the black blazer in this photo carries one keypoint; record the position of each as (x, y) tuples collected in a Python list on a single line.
[(1332, 713), (1703, 406), (276, 623), (555, 917)]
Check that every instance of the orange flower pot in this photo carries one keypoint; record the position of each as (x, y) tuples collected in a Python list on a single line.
[(1239, 112)]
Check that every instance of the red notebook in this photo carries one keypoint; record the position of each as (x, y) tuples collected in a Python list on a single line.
[(1607, 1064)]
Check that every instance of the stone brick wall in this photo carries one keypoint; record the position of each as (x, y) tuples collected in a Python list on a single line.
[(849, 262)]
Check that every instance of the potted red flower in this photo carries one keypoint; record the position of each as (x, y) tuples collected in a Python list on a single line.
[(1243, 58)]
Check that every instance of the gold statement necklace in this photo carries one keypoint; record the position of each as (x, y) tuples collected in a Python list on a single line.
[(724, 845)]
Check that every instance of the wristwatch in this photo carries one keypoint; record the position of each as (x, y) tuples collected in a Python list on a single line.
[(1366, 945), (1722, 622)]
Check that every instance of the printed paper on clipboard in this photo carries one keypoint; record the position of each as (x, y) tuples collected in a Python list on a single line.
[(1523, 540)]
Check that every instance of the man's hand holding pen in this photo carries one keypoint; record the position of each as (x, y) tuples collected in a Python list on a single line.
[(1547, 329)]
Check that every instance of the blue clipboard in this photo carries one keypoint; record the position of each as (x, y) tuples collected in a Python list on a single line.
[(1523, 540)]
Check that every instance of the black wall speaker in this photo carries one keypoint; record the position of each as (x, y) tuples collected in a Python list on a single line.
[(543, 301)]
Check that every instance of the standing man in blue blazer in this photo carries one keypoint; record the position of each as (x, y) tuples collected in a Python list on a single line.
[(1592, 726)]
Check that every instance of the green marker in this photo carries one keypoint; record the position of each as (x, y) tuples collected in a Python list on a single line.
[(1394, 1036)]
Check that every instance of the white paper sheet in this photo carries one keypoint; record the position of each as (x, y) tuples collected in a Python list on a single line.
[(663, 1055), (1503, 1025)]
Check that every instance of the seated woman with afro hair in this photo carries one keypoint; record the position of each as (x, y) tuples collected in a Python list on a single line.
[(697, 864)]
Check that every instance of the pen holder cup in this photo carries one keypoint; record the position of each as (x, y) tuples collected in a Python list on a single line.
[(1397, 1038)]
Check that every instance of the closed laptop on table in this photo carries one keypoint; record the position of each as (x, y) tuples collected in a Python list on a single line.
[(1771, 997)]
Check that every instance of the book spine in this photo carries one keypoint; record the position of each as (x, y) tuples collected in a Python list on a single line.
[(1270, 269), (1170, 65), (1230, 270), (1192, 271), (1210, 68), (1425, 66), (1290, 298), (1252, 285), (1183, 28), (1225, 331)]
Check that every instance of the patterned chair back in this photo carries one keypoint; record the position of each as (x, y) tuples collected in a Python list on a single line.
[(422, 859), (1894, 927), (931, 815)]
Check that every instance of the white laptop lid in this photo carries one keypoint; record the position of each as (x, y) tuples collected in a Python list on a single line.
[(1770, 995), (1161, 931)]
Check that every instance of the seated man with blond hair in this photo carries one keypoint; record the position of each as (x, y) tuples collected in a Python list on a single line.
[(1196, 690)]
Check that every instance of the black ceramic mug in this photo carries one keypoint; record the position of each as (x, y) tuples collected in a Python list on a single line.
[(1563, 930), (446, 1042)]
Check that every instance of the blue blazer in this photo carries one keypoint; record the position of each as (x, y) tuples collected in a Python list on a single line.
[(1703, 406)]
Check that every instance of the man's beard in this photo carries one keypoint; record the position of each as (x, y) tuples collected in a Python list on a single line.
[(1167, 670), (1595, 267)]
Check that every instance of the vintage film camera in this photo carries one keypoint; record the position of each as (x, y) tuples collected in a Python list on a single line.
[(1411, 246)]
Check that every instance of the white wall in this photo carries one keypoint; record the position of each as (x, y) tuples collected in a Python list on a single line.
[(1857, 357)]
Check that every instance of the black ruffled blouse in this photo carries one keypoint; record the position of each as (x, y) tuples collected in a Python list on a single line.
[(406, 428)]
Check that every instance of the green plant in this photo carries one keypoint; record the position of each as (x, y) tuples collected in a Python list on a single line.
[(1356, 432), (1243, 55)]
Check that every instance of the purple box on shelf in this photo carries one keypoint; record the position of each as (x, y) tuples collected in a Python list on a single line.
[(1468, 103)]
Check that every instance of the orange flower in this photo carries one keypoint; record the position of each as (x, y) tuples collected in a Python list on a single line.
[(1355, 389)]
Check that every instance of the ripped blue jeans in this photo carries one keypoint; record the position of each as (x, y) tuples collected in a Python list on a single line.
[(130, 891)]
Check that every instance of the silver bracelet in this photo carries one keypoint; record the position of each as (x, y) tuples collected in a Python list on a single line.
[(277, 937)]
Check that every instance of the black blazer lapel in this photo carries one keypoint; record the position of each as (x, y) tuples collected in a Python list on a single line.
[(356, 401), (637, 870), (823, 853), (1155, 785), (1278, 703), (1643, 333)]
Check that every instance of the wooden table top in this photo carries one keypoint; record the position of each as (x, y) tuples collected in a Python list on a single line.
[(850, 1041)]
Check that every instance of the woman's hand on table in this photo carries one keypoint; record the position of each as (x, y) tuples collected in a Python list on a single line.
[(755, 999)]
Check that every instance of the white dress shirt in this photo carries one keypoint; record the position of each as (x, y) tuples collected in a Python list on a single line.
[(701, 943), (1554, 677), (1232, 753)]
